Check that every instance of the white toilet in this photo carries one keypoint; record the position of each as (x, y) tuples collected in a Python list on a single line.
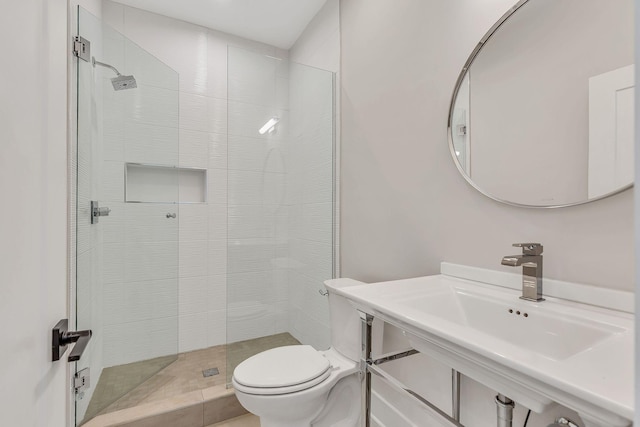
[(298, 386)]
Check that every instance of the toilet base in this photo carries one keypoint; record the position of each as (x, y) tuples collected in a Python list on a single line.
[(342, 408), (334, 402), (266, 423)]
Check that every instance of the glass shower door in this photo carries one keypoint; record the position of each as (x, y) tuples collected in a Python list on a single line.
[(280, 204), (127, 253)]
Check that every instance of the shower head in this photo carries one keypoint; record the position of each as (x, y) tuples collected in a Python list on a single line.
[(119, 82), (124, 82)]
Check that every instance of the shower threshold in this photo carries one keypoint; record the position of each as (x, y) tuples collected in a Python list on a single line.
[(175, 380)]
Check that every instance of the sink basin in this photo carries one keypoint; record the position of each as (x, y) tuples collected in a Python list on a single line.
[(536, 353), (545, 332)]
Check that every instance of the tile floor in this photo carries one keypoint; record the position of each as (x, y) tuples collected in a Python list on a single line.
[(127, 386), (243, 421)]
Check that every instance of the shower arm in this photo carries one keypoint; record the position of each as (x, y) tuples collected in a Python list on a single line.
[(93, 60)]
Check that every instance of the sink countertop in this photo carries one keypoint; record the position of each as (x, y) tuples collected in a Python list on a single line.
[(592, 361)]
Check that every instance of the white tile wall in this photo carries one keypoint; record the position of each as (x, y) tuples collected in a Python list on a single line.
[(216, 327), (217, 65), (247, 196), (217, 261), (194, 221), (217, 186), (193, 295), (240, 328), (217, 115), (217, 217), (250, 286), (113, 230), (190, 332), (251, 78), (137, 301), (194, 149), (147, 222), (152, 105), (217, 151), (193, 112), (150, 261), (250, 255), (140, 340), (193, 258), (112, 181), (217, 292), (113, 262), (151, 144)]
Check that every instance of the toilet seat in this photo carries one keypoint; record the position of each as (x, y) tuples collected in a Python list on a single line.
[(282, 370)]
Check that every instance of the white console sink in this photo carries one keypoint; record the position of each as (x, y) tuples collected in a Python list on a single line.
[(543, 328), (536, 353)]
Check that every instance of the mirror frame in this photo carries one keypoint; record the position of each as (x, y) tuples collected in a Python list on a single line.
[(461, 77)]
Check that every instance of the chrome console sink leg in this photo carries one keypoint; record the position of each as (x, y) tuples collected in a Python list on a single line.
[(505, 411), (365, 360)]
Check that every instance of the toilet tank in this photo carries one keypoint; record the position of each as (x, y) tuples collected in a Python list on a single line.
[(346, 329)]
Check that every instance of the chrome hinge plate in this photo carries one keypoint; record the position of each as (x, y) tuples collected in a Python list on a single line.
[(81, 382), (82, 48)]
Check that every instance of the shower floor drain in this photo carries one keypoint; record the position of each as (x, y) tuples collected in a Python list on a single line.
[(210, 372)]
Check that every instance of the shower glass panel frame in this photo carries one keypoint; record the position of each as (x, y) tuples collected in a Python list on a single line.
[(281, 208), (126, 265)]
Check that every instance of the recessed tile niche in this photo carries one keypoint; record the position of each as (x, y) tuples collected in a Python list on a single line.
[(164, 184)]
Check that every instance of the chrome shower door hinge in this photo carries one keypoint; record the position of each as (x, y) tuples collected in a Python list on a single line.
[(81, 382), (82, 48)]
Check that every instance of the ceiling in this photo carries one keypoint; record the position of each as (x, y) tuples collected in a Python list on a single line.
[(275, 22)]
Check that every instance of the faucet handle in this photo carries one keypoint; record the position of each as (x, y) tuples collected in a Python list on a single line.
[(530, 248)]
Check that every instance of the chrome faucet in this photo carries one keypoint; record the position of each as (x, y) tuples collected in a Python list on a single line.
[(531, 262)]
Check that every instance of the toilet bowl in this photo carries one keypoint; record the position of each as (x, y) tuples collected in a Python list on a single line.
[(298, 386)]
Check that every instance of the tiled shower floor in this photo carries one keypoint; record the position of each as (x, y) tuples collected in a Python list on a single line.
[(119, 387)]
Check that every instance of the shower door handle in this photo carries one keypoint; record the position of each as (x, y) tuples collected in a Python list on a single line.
[(62, 337), (97, 212)]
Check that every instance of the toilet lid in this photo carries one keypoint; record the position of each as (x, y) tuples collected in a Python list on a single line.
[(281, 367)]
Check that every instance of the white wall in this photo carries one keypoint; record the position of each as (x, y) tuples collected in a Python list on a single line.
[(404, 206), (33, 187)]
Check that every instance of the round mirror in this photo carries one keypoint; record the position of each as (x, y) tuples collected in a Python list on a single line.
[(542, 113)]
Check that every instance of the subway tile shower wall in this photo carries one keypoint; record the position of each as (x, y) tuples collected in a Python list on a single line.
[(275, 248)]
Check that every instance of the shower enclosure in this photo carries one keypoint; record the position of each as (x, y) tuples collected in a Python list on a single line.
[(192, 265)]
